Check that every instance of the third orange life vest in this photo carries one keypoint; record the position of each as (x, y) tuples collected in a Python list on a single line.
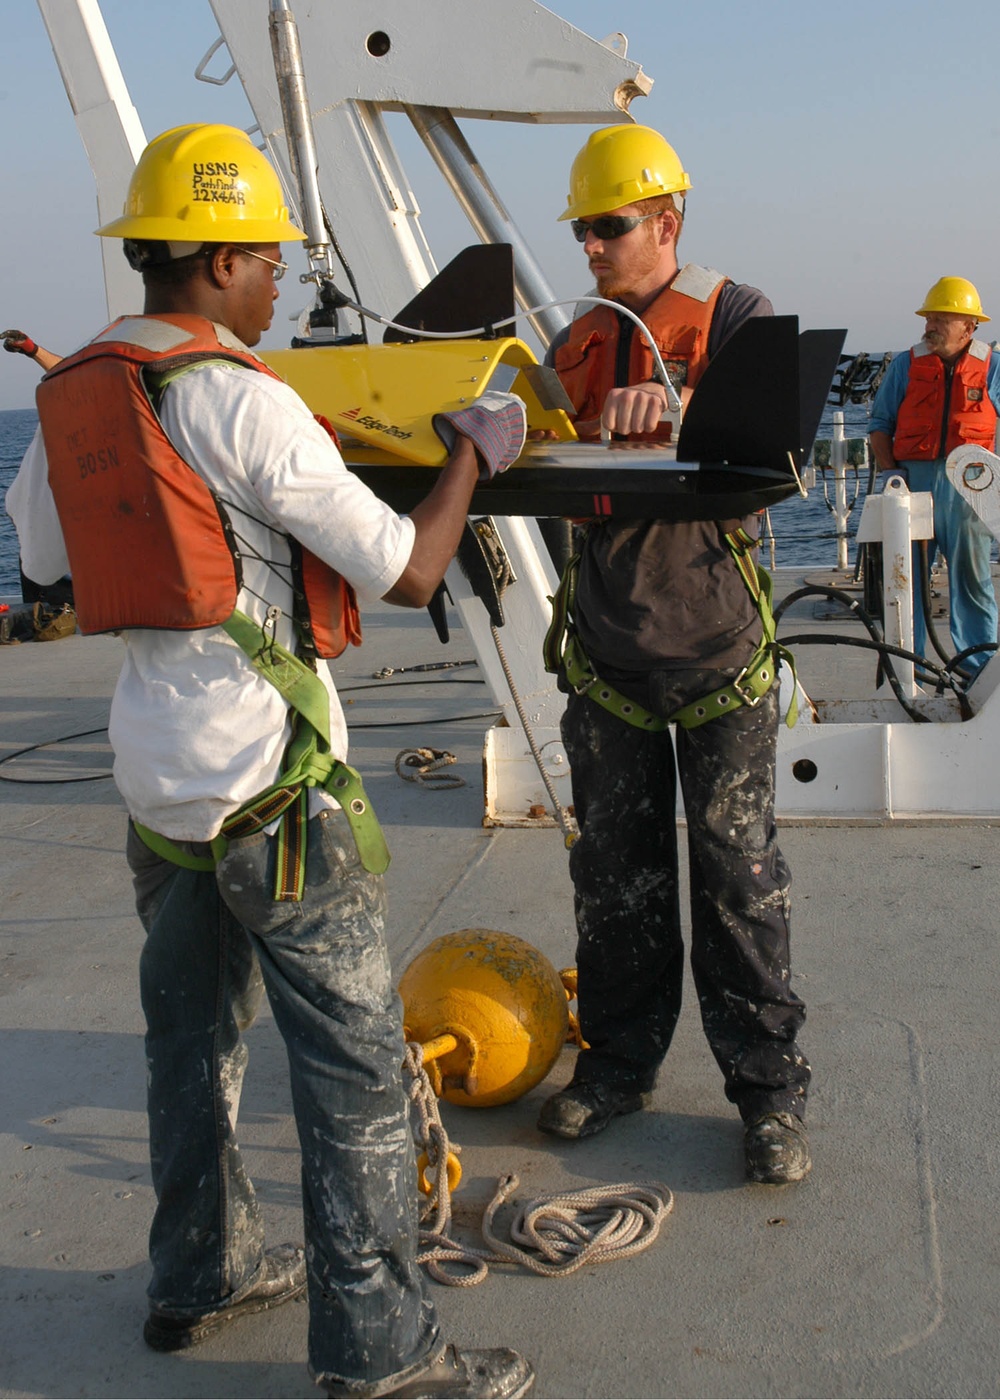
[(940, 411)]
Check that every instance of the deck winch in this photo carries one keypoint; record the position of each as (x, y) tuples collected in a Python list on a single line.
[(490, 1012)]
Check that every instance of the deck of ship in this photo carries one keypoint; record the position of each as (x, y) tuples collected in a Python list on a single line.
[(878, 1276)]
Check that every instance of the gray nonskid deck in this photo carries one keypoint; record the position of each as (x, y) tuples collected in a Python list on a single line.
[(878, 1276)]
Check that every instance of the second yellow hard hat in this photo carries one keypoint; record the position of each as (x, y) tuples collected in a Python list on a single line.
[(620, 165), (955, 296)]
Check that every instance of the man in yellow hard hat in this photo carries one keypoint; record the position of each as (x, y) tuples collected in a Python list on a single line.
[(665, 621), (941, 393), (209, 518)]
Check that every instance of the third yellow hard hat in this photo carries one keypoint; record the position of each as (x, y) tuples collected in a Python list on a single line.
[(620, 165), (954, 295), (204, 184)]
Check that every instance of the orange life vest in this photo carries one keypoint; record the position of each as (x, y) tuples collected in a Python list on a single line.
[(955, 408), (149, 544), (679, 321)]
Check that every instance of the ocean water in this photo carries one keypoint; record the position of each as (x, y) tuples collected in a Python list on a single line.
[(803, 529)]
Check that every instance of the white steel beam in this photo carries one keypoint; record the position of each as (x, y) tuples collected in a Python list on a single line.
[(108, 124), (520, 61)]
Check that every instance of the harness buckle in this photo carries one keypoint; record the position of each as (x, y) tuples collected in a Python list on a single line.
[(746, 695)]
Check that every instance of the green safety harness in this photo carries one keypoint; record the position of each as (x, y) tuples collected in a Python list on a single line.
[(564, 652), (308, 763)]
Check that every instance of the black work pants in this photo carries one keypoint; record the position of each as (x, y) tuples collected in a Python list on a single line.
[(624, 867)]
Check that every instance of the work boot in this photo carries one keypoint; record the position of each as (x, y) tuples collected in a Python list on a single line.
[(499, 1372), (283, 1278), (586, 1107), (777, 1149)]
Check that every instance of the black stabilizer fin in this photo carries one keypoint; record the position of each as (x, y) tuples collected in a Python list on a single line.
[(438, 612), (761, 396), (475, 289)]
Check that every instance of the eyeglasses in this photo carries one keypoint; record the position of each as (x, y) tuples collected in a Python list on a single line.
[(278, 269), (608, 226)]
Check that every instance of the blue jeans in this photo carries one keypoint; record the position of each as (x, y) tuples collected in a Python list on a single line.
[(215, 942), (966, 544)]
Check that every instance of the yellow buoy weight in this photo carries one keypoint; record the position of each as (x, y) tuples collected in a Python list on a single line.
[(490, 1011)]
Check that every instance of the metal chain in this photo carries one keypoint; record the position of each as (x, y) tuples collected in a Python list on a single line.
[(565, 1231)]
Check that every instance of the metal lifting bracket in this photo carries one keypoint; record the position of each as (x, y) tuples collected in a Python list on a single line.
[(485, 563)]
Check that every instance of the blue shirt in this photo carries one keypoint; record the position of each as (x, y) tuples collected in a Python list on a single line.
[(892, 391)]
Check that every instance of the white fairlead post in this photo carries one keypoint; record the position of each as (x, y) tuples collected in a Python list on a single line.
[(897, 577), (838, 461), (897, 518)]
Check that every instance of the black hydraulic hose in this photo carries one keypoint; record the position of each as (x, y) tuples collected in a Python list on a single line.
[(875, 642), (46, 743), (345, 265), (884, 649), (942, 674), (955, 661), (925, 601), (827, 591)]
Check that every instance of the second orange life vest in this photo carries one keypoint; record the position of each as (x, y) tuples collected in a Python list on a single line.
[(679, 320)]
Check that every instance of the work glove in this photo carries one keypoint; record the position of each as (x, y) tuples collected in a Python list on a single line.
[(496, 425), (18, 343)]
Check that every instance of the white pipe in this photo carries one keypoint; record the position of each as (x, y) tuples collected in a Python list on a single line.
[(291, 80), (838, 460), (897, 580)]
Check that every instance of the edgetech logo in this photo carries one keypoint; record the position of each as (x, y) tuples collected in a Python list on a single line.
[(375, 425)]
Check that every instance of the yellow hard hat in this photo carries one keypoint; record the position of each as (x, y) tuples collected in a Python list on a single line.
[(204, 184), (620, 165), (955, 295)]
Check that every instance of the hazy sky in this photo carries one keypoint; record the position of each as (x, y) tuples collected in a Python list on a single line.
[(843, 156)]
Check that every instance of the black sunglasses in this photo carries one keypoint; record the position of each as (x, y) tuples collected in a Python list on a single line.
[(607, 226)]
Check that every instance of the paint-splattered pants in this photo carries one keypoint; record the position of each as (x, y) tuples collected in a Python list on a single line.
[(215, 941), (630, 954)]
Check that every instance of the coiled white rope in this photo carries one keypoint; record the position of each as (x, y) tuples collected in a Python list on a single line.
[(550, 1235), (427, 765)]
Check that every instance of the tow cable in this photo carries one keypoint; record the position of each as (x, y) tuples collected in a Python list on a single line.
[(559, 1233)]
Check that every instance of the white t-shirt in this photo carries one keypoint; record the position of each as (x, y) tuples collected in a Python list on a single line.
[(195, 731)]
